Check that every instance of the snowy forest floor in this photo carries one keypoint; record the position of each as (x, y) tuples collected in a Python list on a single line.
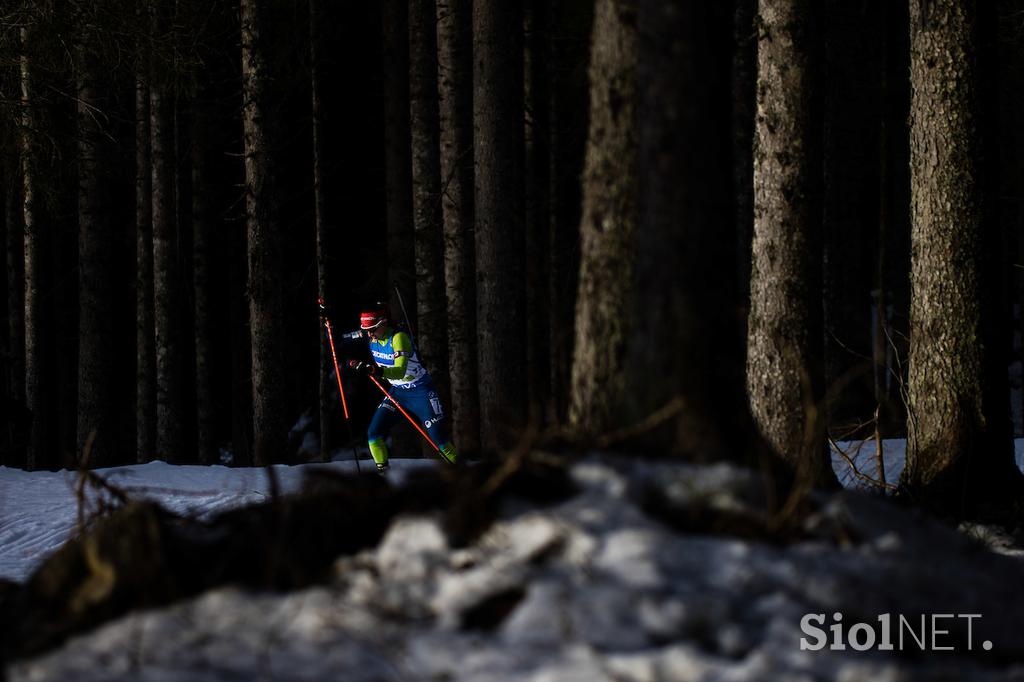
[(646, 571)]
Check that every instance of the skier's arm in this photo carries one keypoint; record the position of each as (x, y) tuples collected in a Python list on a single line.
[(402, 344)]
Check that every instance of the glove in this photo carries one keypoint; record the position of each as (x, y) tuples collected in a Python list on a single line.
[(368, 368)]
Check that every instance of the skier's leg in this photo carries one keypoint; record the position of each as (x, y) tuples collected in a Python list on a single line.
[(426, 405), (383, 419)]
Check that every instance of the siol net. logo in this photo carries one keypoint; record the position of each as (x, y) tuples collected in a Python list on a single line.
[(892, 632)]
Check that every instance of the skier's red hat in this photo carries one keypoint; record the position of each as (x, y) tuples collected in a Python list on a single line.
[(374, 317)]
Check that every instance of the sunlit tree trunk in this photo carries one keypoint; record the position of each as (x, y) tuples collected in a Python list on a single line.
[(958, 451), (603, 315), (784, 342)]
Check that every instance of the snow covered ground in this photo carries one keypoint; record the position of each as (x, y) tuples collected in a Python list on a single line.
[(596, 588), (39, 510)]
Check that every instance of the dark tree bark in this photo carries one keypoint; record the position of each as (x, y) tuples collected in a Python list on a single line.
[(202, 233), (326, 376), (15, 258), (13, 346), (241, 353), (538, 205), (455, 89), (603, 316), (166, 276), (686, 331), (958, 452), (266, 313), (500, 244), (38, 391), (398, 159), (97, 418), (145, 353), (431, 325), (784, 342)]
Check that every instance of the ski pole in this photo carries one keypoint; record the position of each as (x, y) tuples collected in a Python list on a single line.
[(337, 373), (405, 313), (407, 416), (334, 356)]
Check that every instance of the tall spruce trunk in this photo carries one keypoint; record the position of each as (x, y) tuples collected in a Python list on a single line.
[(166, 280), (202, 233), (326, 376), (266, 313), (397, 155), (38, 390), (603, 316), (145, 353), (785, 335), (500, 241), (455, 91), (14, 288), (97, 420), (956, 452), (424, 117), (686, 329), (14, 253)]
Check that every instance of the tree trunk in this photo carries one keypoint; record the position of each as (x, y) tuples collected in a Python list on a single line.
[(685, 245), (603, 316), (166, 278), (201, 244), (241, 353), (954, 453), (326, 371), (264, 248), (455, 89), (784, 343), (145, 354), (15, 258), (431, 325), (498, 152), (38, 390), (97, 419), (538, 208), (13, 346), (398, 161)]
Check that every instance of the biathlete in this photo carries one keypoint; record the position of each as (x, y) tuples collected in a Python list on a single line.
[(395, 358)]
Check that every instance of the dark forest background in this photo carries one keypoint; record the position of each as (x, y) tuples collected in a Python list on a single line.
[(680, 225)]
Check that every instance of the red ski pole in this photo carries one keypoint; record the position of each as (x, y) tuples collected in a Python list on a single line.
[(337, 373)]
